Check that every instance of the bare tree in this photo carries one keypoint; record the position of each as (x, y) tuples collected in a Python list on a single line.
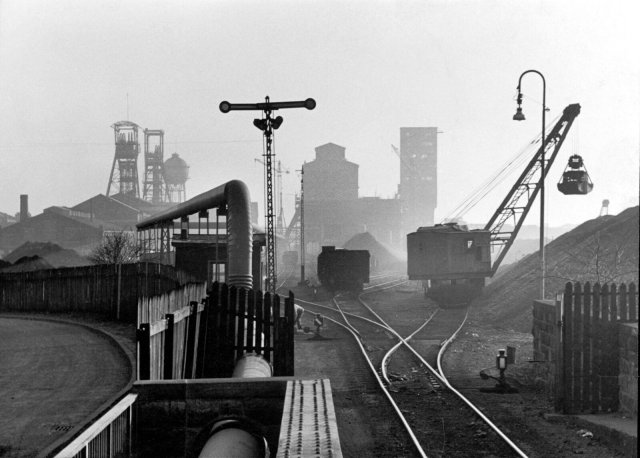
[(116, 248)]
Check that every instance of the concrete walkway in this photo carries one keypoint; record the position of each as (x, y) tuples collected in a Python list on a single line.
[(53, 376)]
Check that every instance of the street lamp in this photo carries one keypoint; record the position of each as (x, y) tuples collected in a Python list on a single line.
[(519, 116)]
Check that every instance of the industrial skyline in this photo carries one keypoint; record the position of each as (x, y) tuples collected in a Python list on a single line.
[(372, 68)]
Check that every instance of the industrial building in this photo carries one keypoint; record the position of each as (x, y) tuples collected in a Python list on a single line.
[(418, 188), (333, 212)]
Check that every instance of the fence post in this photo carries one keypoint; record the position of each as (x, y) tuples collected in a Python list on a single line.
[(203, 338), (168, 347), (587, 369), (260, 339), (252, 338), (633, 303), (242, 320), (567, 340), (211, 353), (289, 344), (144, 351), (192, 340)]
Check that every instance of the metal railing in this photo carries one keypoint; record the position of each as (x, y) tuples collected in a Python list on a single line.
[(109, 436)]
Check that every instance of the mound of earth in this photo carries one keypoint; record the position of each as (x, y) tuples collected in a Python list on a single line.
[(28, 264), (50, 253), (386, 258), (602, 250)]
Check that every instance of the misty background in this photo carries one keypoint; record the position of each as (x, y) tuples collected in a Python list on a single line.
[(70, 69)]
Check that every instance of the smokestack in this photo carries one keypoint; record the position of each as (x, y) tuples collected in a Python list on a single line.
[(24, 207)]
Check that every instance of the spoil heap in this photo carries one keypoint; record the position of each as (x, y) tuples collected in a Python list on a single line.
[(602, 250), (384, 258), (42, 255)]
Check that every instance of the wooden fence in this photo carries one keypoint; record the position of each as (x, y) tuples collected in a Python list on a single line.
[(206, 338), (590, 356), (105, 289)]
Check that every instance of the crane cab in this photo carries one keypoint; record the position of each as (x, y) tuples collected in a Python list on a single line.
[(575, 179)]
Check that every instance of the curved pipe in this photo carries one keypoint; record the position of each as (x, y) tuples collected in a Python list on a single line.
[(235, 196)]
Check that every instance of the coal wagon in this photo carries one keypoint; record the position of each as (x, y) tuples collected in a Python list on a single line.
[(343, 270)]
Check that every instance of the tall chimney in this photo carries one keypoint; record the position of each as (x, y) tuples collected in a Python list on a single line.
[(24, 207)]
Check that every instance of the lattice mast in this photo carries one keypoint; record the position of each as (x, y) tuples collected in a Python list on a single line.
[(124, 170), (267, 125), (154, 186)]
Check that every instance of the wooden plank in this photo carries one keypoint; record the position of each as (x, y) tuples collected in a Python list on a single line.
[(251, 317), (192, 341), (633, 302), (605, 382), (596, 335), (158, 327), (567, 342), (289, 344), (576, 349), (259, 344), (228, 358), (587, 373), (268, 322), (241, 321), (623, 307)]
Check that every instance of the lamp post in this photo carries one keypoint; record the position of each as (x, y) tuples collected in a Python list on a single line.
[(519, 116)]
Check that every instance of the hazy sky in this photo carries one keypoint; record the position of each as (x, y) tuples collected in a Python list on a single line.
[(66, 68)]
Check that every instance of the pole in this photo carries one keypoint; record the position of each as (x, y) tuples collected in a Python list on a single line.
[(302, 246), (542, 175), (267, 125)]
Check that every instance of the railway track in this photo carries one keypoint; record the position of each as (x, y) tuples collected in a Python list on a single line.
[(404, 357)]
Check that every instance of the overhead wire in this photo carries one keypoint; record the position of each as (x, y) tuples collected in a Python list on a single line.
[(496, 179)]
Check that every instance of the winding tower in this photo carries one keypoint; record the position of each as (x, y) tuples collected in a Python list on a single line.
[(153, 190), (124, 171), (176, 174)]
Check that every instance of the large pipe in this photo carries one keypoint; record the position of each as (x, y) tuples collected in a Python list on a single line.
[(234, 438), (235, 196), (252, 366)]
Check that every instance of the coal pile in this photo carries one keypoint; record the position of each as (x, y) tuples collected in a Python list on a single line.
[(42, 255), (602, 250), (383, 258)]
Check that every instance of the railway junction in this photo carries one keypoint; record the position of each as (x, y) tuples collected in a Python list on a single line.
[(365, 420)]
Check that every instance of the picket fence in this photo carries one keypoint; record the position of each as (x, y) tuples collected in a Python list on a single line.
[(203, 337), (590, 349)]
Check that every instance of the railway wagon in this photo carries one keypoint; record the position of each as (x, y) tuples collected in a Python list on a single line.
[(343, 270), (451, 261)]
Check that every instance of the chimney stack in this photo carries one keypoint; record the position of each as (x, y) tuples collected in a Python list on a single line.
[(24, 207)]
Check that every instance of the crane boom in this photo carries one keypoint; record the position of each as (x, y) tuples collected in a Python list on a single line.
[(520, 198)]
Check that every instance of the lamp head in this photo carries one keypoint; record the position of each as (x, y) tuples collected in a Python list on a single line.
[(260, 124), (519, 116), (276, 122)]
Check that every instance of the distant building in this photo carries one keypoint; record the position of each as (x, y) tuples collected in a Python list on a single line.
[(333, 212), (80, 227), (7, 220), (60, 225), (418, 189)]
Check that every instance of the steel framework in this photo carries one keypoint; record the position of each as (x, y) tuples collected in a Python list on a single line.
[(267, 125)]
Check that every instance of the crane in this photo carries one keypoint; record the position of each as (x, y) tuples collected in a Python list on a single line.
[(451, 252)]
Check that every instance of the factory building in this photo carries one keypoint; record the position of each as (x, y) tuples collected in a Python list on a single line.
[(333, 211)]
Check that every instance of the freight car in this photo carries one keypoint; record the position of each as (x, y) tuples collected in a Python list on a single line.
[(343, 270)]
